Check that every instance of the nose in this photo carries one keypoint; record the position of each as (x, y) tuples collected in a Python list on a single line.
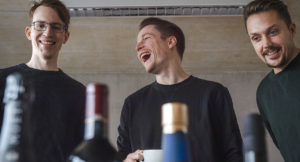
[(139, 46), (48, 30), (266, 42)]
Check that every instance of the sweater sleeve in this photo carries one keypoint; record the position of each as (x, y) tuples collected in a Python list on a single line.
[(123, 141), (227, 127)]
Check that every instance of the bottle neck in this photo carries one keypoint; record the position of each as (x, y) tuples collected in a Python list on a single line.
[(96, 112), (174, 118), (95, 127), (173, 128)]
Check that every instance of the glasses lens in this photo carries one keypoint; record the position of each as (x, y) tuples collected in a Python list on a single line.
[(57, 27), (42, 26)]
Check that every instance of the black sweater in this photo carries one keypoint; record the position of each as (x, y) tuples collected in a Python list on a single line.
[(213, 131), (278, 100), (57, 113)]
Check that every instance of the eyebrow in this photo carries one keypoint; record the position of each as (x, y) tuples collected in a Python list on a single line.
[(273, 26), (145, 34), (268, 29), (48, 23)]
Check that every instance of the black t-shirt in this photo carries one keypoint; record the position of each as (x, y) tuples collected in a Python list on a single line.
[(56, 116), (213, 131)]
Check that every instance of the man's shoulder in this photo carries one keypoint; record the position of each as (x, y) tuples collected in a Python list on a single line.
[(140, 92), (71, 81), (207, 84), (9, 70), (265, 82)]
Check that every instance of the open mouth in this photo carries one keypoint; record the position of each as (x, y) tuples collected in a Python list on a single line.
[(145, 56)]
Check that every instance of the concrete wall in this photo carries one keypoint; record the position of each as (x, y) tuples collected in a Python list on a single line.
[(103, 50)]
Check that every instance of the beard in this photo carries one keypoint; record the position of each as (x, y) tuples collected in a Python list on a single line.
[(282, 62)]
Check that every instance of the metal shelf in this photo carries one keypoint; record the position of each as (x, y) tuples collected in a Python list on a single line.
[(157, 11)]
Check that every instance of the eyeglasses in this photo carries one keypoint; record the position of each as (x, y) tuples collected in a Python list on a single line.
[(42, 26)]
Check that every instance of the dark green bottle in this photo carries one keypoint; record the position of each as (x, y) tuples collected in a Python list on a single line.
[(95, 146), (254, 139)]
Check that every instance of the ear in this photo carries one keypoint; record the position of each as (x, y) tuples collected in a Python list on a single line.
[(28, 32), (67, 34), (293, 29), (172, 41)]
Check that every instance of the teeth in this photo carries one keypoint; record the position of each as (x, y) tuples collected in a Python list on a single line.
[(47, 42), (145, 56), (271, 53)]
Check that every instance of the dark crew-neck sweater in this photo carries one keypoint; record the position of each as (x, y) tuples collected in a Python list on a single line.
[(213, 131), (55, 117), (278, 100)]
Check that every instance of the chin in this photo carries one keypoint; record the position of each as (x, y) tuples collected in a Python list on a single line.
[(280, 62), (48, 56), (149, 70), (277, 64)]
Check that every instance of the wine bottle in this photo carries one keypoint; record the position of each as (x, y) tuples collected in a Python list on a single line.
[(254, 139), (95, 146), (14, 141), (175, 141)]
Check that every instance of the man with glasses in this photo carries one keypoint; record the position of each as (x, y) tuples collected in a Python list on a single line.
[(55, 119)]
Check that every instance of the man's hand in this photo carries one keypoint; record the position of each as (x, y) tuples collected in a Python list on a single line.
[(135, 156)]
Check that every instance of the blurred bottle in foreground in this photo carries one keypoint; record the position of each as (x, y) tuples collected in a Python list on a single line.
[(95, 146), (254, 139), (14, 141), (174, 141)]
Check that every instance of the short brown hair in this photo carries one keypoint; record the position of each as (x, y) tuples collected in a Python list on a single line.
[(57, 5), (167, 29), (257, 6)]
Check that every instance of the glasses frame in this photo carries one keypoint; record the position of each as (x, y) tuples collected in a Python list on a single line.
[(63, 27)]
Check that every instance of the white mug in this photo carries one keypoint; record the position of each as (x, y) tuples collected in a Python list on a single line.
[(153, 155)]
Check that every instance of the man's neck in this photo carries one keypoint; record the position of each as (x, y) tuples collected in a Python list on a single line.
[(172, 77), (47, 65), (295, 53)]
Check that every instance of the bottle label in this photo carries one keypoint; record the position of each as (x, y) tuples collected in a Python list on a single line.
[(250, 156), (11, 131), (94, 126), (76, 159)]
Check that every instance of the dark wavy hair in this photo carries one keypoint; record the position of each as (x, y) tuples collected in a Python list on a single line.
[(166, 30), (257, 6)]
